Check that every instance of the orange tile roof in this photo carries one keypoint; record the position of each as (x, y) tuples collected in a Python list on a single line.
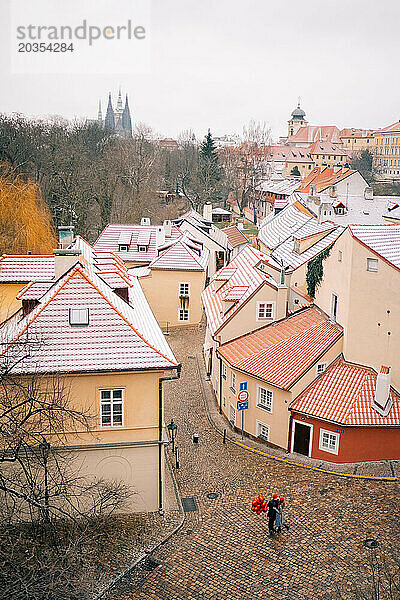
[(343, 394), (281, 352), (323, 178), (394, 128), (310, 133), (235, 236), (356, 133)]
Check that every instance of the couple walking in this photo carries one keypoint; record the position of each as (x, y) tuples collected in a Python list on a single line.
[(275, 514)]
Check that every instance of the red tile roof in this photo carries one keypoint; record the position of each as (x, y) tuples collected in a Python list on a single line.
[(343, 394), (324, 177), (281, 352), (235, 236), (384, 240), (241, 272), (310, 133)]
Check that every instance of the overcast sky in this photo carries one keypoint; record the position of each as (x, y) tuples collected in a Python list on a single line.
[(220, 63)]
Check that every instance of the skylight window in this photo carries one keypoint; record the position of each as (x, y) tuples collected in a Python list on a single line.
[(79, 316)]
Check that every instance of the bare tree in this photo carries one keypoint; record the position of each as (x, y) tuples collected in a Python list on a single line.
[(48, 510)]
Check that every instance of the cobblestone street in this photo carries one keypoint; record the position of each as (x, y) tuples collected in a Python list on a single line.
[(223, 551)]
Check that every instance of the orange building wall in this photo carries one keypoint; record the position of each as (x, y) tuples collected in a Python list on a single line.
[(356, 444)]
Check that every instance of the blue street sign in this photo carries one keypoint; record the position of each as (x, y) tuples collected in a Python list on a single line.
[(243, 405), (243, 385)]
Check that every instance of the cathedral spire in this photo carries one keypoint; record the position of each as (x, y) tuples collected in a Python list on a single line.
[(109, 122), (126, 119), (119, 108), (100, 114)]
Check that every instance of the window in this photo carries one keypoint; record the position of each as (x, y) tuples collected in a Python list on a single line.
[(340, 256), (265, 310), (232, 414), (296, 246), (142, 248), (372, 264), (264, 399), (123, 248), (329, 441), (334, 303), (262, 431), (224, 371), (79, 316), (320, 368), (111, 408), (184, 289), (183, 314), (233, 382)]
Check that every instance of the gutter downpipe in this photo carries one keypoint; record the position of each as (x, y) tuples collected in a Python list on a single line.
[(160, 431)]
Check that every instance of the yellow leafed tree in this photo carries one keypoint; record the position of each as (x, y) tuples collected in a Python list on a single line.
[(25, 221)]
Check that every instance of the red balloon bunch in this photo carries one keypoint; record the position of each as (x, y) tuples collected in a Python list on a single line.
[(259, 504)]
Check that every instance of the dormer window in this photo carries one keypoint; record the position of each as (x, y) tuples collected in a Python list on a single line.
[(79, 317), (142, 248), (123, 248), (296, 246)]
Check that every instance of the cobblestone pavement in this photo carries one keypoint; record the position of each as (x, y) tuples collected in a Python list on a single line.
[(223, 551)]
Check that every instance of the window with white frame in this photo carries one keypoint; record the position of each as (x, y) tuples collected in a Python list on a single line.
[(79, 316), (123, 248), (183, 314), (232, 414), (233, 382), (329, 441), (372, 264), (262, 431), (264, 398), (111, 407), (184, 289), (142, 248), (265, 310), (224, 371), (321, 368)]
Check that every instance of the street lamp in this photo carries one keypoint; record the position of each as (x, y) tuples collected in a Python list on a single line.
[(172, 428)]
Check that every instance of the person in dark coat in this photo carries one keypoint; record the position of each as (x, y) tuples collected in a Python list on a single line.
[(272, 506)]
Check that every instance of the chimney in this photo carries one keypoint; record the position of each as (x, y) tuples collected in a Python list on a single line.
[(167, 228), (160, 236), (368, 193), (145, 221), (207, 211), (381, 401), (65, 235), (64, 259)]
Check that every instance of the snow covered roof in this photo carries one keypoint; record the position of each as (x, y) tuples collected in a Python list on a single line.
[(384, 240), (181, 256), (296, 222), (285, 187), (22, 268), (133, 236), (207, 228), (119, 335), (240, 280)]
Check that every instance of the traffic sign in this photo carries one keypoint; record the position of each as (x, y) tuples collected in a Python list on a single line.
[(243, 395), (242, 405), (243, 385)]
